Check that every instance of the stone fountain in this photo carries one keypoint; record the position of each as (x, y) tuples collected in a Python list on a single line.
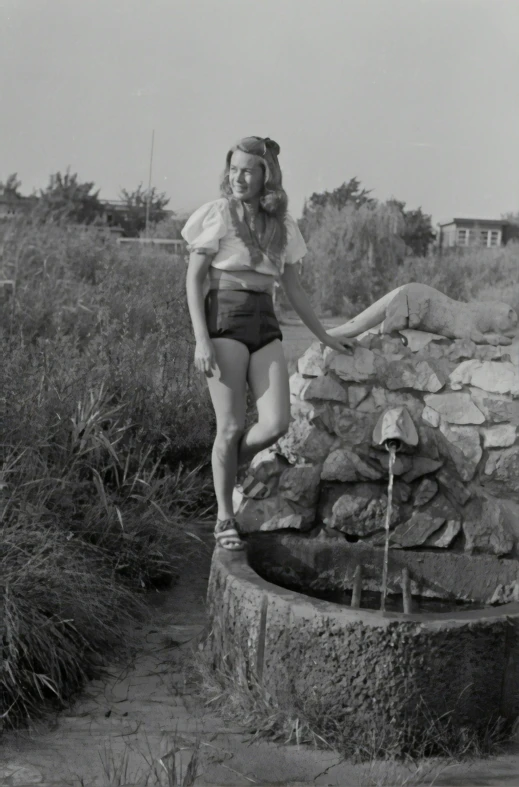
[(432, 378)]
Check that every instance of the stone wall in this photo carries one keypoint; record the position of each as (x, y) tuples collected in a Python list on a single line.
[(458, 489)]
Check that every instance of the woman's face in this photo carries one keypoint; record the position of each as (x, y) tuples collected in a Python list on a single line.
[(246, 176)]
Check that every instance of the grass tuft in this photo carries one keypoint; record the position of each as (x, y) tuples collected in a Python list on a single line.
[(134, 767)]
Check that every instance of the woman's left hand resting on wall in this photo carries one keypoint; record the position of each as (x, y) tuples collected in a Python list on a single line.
[(302, 306), (339, 345)]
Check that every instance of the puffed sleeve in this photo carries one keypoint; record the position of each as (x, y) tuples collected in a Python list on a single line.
[(296, 246), (205, 227)]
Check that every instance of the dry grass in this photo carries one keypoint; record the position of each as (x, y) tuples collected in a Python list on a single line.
[(167, 770), (236, 694), (137, 765)]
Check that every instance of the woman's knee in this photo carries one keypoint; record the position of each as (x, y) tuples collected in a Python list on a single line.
[(229, 433)]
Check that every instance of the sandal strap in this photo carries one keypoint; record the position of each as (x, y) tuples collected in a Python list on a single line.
[(225, 526), (227, 530)]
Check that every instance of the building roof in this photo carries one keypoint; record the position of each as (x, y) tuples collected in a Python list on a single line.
[(469, 220)]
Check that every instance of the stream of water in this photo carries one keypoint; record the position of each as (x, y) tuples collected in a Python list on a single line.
[(392, 454)]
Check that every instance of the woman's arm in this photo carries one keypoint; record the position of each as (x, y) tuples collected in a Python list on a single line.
[(299, 300), (197, 269)]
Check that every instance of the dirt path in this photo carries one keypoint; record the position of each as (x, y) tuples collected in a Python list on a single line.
[(143, 720)]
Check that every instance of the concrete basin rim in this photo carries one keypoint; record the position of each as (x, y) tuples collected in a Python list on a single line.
[(235, 565)]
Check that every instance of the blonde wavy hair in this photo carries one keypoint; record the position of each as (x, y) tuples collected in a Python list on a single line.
[(273, 200)]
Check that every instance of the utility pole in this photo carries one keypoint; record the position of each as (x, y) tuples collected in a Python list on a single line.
[(148, 196)]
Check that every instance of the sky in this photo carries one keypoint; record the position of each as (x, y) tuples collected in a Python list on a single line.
[(413, 97)]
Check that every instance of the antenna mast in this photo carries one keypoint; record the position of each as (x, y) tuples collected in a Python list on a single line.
[(148, 196)]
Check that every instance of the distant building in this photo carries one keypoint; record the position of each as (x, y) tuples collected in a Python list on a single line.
[(461, 232), (116, 210), (12, 206)]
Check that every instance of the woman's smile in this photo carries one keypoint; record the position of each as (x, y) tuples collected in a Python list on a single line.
[(246, 175)]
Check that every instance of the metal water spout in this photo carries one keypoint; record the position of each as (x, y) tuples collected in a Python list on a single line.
[(395, 428)]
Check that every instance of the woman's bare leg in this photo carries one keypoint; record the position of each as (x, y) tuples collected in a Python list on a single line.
[(227, 388), (268, 381)]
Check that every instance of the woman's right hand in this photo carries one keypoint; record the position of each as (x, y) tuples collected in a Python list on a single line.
[(205, 358)]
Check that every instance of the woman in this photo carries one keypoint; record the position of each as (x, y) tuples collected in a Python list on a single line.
[(239, 246)]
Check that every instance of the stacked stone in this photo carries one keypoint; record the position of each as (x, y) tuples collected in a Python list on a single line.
[(458, 489)]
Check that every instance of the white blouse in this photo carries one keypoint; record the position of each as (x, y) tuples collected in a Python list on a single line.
[(211, 229)]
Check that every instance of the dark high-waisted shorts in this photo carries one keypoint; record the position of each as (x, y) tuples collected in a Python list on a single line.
[(243, 315)]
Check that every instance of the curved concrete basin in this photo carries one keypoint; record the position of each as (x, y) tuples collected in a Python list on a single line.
[(364, 668)]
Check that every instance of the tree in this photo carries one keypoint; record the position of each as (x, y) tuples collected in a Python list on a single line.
[(417, 232), (353, 255), (356, 245), (11, 187), (67, 198), (346, 194), (512, 226), (133, 215), (349, 193)]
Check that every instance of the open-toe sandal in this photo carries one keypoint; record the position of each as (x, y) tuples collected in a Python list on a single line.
[(227, 536)]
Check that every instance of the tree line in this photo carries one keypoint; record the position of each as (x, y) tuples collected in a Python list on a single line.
[(356, 243), (67, 198)]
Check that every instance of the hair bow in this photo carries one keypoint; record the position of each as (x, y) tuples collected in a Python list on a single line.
[(271, 145)]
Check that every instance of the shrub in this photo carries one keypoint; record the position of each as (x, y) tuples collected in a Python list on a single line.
[(352, 253), (356, 256)]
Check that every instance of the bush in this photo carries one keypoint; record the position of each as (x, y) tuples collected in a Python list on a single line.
[(103, 428), (352, 253), (356, 256)]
